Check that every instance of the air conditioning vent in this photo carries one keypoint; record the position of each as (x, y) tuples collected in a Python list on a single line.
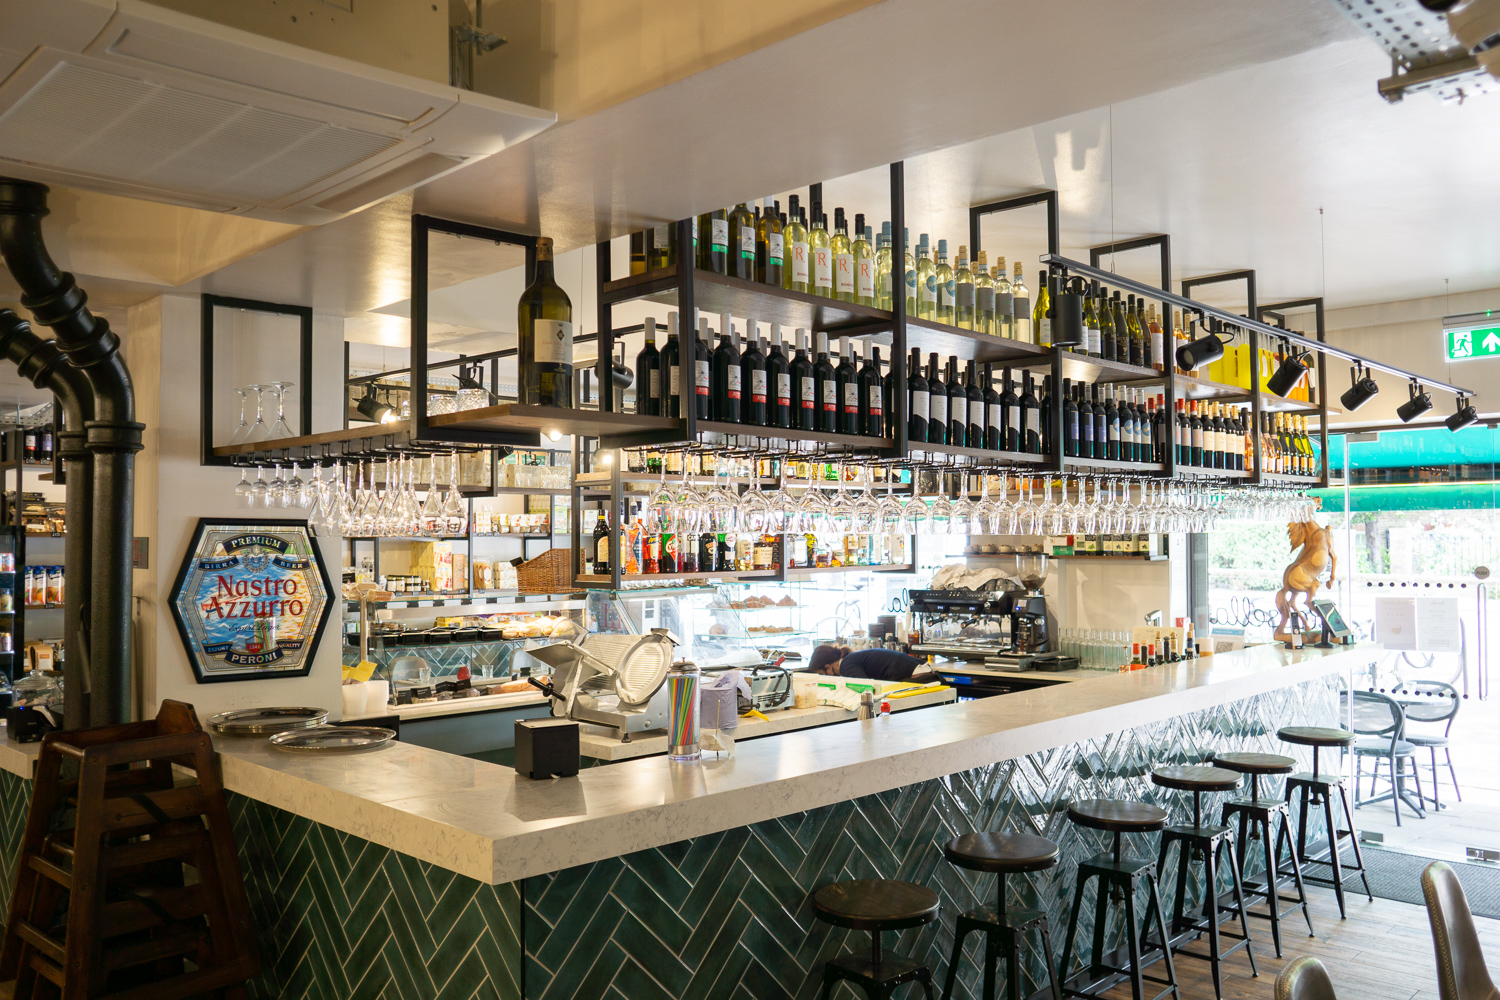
[(285, 147)]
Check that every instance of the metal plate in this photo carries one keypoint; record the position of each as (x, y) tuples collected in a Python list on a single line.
[(261, 721), (333, 739)]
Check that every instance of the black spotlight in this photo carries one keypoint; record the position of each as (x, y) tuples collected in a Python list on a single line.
[(1205, 350), (1361, 390), (372, 408), (1465, 415), (1286, 377), (1419, 403)]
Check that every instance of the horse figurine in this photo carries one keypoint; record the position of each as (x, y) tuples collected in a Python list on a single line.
[(1302, 576)]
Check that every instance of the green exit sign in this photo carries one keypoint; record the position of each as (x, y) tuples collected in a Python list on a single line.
[(1479, 343)]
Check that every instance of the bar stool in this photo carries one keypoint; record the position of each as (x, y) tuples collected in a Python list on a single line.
[(1119, 877), (875, 905), (1254, 816), (1316, 788), (1003, 928), (1199, 842)]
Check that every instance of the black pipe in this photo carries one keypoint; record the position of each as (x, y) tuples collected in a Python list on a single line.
[(43, 364), (112, 437)]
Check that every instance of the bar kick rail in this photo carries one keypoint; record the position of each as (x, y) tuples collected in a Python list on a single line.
[(1071, 266)]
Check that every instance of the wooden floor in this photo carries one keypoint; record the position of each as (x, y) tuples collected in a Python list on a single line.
[(1383, 951)]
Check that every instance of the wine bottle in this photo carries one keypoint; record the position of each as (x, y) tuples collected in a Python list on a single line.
[(1111, 425), (753, 381), (1010, 406), (963, 291), (820, 247), (804, 389), (883, 268), (648, 374), (1085, 422), (1021, 300), (975, 397), (825, 385), (669, 363), (1122, 331), (918, 400), (1005, 302), (1132, 323), (862, 255), (602, 546), (984, 296), (1195, 429), (778, 383), (1158, 340), (888, 408), (994, 413), (926, 284), (1091, 343), (871, 396), (846, 386), (661, 246), (768, 244), (703, 360), (796, 269), (1031, 417), (909, 272), (740, 251), (727, 383), (937, 402), (958, 407), (842, 251), (942, 276), (1044, 416), (545, 322), (638, 252), (1041, 317), (716, 241)]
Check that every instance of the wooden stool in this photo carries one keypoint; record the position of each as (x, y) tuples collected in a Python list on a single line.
[(1199, 842), (1253, 816), (99, 911), (1003, 928), (875, 905), (1315, 788), (1119, 877)]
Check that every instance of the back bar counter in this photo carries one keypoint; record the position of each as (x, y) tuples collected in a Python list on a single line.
[(408, 872)]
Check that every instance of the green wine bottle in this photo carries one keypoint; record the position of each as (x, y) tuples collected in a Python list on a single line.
[(545, 321)]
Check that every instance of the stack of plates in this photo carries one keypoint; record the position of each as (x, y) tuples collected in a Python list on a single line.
[(264, 721)]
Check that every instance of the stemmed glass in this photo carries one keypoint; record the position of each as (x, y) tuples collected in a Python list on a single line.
[(276, 494), (455, 514), (243, 487), (280, 429), (260, 491), (432, 508), (890, 507), (981, 517), (258, 431), (962, 516), (242, 432)]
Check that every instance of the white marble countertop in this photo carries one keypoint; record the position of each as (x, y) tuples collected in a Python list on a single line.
[(484, 821), (455, 706), (1040, 676)]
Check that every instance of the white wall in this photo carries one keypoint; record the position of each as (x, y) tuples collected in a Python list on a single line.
[(173, 490)]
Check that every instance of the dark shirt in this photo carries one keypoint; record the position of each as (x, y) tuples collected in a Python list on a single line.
[(879, 665)]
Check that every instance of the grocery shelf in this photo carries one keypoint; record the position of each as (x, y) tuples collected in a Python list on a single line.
[(719, 293)]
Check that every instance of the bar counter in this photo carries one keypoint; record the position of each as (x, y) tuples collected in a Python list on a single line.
[(674, 876)]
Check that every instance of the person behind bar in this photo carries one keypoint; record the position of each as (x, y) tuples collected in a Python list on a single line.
[(872, 664)]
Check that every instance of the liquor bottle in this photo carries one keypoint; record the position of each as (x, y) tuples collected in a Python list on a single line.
[(963, 291), (994, 412), (975, 397), (1085, 424), (1091, 324), (820, 252), (926, 282), (545, 322), (1122, 330), (958, 408), (1005, 303), (1031, 417), (755, 403), (715, 237), (778, 383), (1044, 416), (1070, 419), (671, 401), (1021, 299), (883, 268), (943, 284), (862, 255), (742, 240), (661, 246), (804, 390), (846, 386), (843, 258), (937, 403), (796, 273), (1158, 340), (871, 396), (728, 382), (638, 252), (602, 547), (825, 388), (1111, 425), (1014, 436), (984, 296), (1041, 316), (768, 245), (648, 374), (918, 400), (703, 367)]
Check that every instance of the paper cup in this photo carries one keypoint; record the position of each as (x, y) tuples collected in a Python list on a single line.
[(354, 698), (377, 696)]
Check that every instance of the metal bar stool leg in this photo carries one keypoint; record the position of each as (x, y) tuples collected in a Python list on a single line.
[(1211, 914), (1286, 833), (960, 935), (1133, 942), (1050, 961), (1239, 899), (1067, 953), (1273, 888), (1333, 844), (1166, 953), (1354, 843)]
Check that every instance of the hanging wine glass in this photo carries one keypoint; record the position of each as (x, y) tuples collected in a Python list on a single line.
[(281, 429), (432, 507), (455, 510), (243, 487), (259, 490), (242, 432)]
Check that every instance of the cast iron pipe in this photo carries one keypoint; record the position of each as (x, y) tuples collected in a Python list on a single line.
[(43, 364), (112, 437)]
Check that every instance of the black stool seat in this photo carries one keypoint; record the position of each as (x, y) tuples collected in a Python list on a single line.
[(1255, 763), (1118, 815), (1316, 736), (1195, 778), (875, 904), (1375, 746), (1001, 852)]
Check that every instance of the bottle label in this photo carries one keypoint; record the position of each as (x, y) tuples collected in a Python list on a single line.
[(660, 237), (947, 294), (984, 299), (937, 403), (655, 390), (963, 295), (784, 389), (911, 282), (1005, 304), (1022, 308), (976, 413), (1157, 357), (757, 385), (1096, 341), (843, 273), (822, 268), (877, 401), (807, 392), (733, 381), (602, 557), (1014, 423), (830, 396), (700, 377), (851, 397), (928, 291), (1073, 425), (747, 242), (1023, 322), (720, 235), (673, 379), (552, 342), (864, 278), (799, 262), (997, 415), (919, 403), (773, 248), (1044, 331)]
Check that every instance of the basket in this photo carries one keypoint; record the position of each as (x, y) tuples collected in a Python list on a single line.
[(549, 573)]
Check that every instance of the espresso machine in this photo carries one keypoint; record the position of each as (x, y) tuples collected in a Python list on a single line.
[(1003, 625)]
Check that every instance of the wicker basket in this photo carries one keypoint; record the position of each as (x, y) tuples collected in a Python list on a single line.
[(549, 573)]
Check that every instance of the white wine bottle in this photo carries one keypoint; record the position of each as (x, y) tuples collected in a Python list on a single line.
[(545, 321), (1021, 298)]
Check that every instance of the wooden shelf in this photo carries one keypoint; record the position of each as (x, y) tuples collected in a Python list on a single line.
[(398, 428), (1082, 368), (603, 578), (966, 345), (718, 293), (525, 417)]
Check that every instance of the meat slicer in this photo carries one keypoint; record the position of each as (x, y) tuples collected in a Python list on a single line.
[(610, 680)]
